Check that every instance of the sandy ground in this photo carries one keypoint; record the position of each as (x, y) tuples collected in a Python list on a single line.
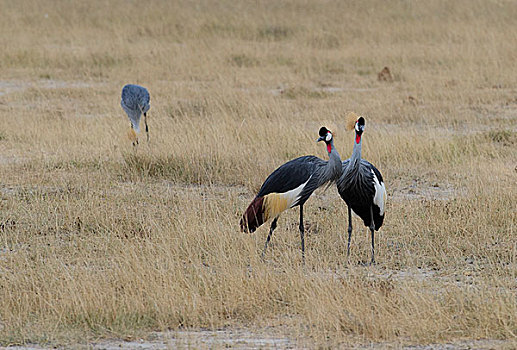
[(246, 339)]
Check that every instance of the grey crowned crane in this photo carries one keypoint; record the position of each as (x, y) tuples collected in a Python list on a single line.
[(135, 102), (361, 186), (291, 185)]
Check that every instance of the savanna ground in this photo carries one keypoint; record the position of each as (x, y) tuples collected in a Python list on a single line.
[(99, 240)]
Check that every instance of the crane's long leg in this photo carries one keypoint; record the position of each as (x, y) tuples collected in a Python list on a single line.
[(349, 231), (146, 127), (273, 226), (135, 142), (302, 231), (372, 229)]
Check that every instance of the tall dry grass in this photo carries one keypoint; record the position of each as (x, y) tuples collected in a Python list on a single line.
[(98, 239)]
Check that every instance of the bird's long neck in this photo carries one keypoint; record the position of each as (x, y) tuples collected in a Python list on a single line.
[(333, 167), (355, 159)]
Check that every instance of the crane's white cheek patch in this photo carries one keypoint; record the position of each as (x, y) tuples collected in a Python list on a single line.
[(329, 137), (380, 194)]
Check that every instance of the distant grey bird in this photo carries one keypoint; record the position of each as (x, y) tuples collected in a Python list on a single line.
[(291, 185), (361, 186), (135, 102)]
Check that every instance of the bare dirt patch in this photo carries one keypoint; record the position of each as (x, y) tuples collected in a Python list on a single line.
[(417, 191), (248, 339), (10, 86)]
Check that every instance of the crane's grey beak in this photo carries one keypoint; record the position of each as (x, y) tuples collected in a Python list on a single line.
[(321, 138)]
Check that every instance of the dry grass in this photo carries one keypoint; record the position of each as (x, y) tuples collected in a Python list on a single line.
[(99, 240)]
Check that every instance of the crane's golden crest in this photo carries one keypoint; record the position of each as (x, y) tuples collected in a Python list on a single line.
[(350, 120)]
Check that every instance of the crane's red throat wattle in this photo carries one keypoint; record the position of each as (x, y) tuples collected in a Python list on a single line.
[(329, 148), (357, 138)]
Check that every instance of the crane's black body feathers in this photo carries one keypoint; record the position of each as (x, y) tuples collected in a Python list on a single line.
[(357, 188), (291, 175), (291, 185), (306, 170)]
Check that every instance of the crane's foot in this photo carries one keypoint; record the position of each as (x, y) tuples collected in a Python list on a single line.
[(367, 263)]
